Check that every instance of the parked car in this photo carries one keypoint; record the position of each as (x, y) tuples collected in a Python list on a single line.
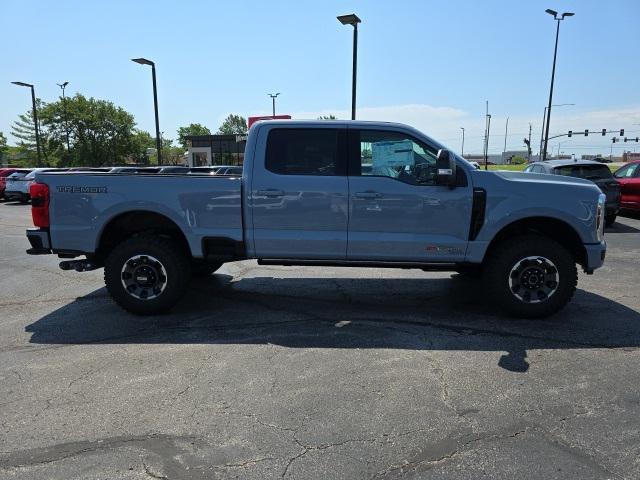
[(4, 173), (602, 160), (302, 200), (590, 170), (203, 170), (174, 169), (229, 171), (16, 186), (134, 170), (18, 183), (628, 176)]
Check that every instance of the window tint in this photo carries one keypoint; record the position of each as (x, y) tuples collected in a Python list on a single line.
[(627, 171), (302, 151), (590, 172), (396, 155)]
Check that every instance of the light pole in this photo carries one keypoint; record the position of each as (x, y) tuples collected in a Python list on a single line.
[(544, 118), (35, 117), (353, 20), (64, 108), (273, 101), (506, 129), (553, 74), (144, 61), (462, 154)]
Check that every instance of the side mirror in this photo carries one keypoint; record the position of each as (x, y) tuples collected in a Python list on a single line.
[(446, 168)]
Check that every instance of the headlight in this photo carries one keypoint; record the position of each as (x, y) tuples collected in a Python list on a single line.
[(600, 217)]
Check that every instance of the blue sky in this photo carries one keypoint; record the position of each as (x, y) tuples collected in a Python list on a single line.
[(428, 63)]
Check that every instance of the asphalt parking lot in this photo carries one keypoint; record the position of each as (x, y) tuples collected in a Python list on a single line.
[(274, 372)]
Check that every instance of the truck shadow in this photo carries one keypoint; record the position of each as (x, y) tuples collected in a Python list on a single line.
[(300, 312)]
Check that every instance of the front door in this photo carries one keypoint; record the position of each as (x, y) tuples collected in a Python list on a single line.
[(629, 179), (398, 213), (299, 198)]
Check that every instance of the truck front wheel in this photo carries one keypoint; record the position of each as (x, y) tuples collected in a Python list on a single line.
[(147, 275), (530, 276)]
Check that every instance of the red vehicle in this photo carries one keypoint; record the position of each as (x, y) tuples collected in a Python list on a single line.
[(629, 178), (4, 173)]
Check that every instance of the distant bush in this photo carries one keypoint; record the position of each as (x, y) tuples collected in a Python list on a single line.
[(518, 160)]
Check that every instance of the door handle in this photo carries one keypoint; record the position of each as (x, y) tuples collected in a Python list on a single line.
[(271, 192), (368, 195)]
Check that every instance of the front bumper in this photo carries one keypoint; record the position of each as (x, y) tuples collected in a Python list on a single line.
[(39, 240), (595, 255), (13, 195)]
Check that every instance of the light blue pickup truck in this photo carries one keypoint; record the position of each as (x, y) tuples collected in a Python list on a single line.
[(326, 193)]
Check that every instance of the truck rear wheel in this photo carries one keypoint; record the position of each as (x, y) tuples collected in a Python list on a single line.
[(147, 275), (531, 276)]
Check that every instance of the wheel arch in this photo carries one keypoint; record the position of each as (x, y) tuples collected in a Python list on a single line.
[(136, 222), (559, 230)]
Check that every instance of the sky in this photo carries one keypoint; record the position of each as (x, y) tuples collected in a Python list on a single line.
[(431, 64)]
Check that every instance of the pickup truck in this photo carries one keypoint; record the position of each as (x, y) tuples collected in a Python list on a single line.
[(326, 193)]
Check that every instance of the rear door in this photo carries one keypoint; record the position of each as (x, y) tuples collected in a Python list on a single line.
[(299, 194), (398, 213)]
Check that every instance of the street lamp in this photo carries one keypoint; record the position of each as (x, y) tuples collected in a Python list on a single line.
[(462, 154), (273, 101), (144, 61), (64, 108), (35, 116), (353, 20), (544, 119), (553, 74)]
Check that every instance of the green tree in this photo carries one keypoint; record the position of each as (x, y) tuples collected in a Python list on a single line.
[(518, 160), (139, 143), (3, 147), (327, 117), (100, 133), (23, 129), (233, 125), (192, 129)]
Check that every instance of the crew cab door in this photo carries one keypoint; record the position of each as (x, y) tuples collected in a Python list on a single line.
[(299, 194), (397, 212)]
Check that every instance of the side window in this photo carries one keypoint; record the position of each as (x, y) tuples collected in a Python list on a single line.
[(303, 151), (396, 155), (627, 171), (538, 169), (529, 169)]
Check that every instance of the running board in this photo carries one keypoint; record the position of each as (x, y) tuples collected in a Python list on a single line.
[(431, 267)]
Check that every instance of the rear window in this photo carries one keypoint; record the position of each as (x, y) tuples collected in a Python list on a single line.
[(590, 172), (303, 151)]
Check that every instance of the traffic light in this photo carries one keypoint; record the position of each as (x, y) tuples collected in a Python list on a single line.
[(604, 132), (622, 132), (570, 133), (586, 132), (637, 139), (625, 139), (614, 139)]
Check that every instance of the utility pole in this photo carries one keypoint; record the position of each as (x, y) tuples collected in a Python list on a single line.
[(506, 128), (64, 108), (273, 101), (486, 136), (553, 75), (529, 145), (462, 154)]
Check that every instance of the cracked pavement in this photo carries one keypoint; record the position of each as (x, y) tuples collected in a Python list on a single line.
[(315, 373)]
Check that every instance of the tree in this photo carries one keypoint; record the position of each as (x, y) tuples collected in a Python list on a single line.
[(139, 143), (23, 129), (100, 133), (518, 160), (192, 129), (327, 117), (233, 125), (3, 146)]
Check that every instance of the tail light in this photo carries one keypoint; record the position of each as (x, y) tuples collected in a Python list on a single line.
[(39, 193)]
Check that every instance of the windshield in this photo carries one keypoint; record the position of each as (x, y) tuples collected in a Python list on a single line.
[(589, 172)]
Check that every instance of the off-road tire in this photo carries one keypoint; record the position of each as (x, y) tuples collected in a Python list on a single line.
[(506, 256), (173, 260), (202, 269)]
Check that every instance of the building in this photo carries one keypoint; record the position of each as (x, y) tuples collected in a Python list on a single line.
[(630, 156), (206, 150)]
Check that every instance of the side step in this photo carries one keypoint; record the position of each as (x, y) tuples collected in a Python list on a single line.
[(427, 267)]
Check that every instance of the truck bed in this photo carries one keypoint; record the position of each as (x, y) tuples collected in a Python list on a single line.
[(83, 204)]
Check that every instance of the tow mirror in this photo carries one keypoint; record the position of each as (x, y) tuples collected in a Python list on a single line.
[(446, 168)]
